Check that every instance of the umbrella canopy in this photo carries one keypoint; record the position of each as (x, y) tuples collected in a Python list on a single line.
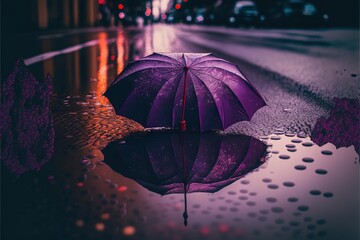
[(199, 91), (173, 162)]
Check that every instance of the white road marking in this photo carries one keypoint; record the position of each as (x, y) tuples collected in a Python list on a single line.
[(71, 49)]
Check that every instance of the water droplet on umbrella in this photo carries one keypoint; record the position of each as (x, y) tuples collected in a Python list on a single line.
[(300, 167), (243, 198), (315, 192), (308, 160), (328, 194), (354, 75), (296, 140), (290, 146), (252, 193), (321, 171), (232, 193), (284, 157), (275, 152), (292, 149), (326, 152)]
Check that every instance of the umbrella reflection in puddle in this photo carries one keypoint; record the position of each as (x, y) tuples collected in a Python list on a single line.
[(168, 162)]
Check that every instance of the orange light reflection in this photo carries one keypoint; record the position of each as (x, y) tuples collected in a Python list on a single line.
[(120, 51), (102, 73)]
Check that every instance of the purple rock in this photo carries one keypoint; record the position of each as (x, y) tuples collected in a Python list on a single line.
[(26, 128), (341, 128)]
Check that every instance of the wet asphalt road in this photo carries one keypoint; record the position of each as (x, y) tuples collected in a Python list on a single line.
[(76, 196), (299, 72)]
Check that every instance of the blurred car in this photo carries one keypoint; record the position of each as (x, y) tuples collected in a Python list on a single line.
[(188, 17), (244, 13), (127, 19), (170, 18), (200, 16), (294, 13)]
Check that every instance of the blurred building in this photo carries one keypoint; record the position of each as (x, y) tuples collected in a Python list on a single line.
[(28, 15)]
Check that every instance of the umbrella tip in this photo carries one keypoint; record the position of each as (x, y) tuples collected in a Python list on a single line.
[(185, 215)]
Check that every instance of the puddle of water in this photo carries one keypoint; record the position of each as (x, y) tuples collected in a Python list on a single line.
[(279, 200)]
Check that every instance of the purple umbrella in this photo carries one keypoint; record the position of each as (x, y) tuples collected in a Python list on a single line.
[(162, 90), (169, 162)]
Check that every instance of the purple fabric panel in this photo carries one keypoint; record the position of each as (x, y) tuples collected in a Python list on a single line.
[(161, 109), (191, 107), (209, 117), (206, 158), (138, 102), (229, 107)]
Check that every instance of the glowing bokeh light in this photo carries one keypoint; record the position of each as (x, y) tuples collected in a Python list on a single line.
[(129, 230)]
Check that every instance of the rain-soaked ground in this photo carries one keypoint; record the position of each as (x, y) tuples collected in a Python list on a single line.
[(292, 189)]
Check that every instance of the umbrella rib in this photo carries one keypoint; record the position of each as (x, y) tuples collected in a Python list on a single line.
[(152, 105), (243, 77), (156, 60), (198, 59), (217, 109), (231, 91), (229, 175), (211, 60), (173, 59), (226, 70), (129, 94), (121, 77)]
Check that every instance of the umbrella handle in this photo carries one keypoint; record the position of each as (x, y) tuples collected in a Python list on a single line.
[(183, 125)]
